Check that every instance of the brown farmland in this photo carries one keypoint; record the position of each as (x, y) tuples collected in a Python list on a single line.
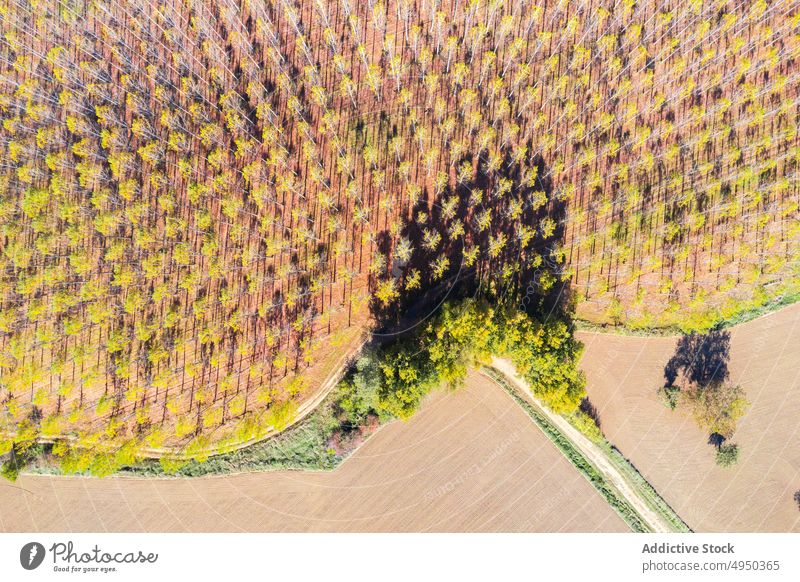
[(672, 453), (470, 460)]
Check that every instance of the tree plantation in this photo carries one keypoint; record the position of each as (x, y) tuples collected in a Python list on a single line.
[(205, 206)]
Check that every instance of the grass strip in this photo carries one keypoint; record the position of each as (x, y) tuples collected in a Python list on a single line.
[(301, 447), (643, 487), (625, 510), (744, 316)]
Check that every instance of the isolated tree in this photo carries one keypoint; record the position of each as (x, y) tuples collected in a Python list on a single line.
[(717, 406)]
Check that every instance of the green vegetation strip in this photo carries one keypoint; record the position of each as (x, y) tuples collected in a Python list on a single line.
[(302, 447), (762, 310), (580, 462), (748, 311), (643, 487)]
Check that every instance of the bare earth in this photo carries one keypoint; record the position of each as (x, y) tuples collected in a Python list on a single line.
[(470, 460), (672, 453)]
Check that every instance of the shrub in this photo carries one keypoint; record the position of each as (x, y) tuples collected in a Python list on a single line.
[(587, 425), (727, 455), (669, 395), (10, 469)]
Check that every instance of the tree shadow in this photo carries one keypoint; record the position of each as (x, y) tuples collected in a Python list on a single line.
[(699, 369), (715, 439), (700, 359), (516, 262), (591, 411)]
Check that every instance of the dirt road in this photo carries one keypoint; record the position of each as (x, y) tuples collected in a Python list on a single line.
[(591, 451), (672, 453)]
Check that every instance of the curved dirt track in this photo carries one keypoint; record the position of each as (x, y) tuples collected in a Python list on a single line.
[(470, 460), (623, 375)]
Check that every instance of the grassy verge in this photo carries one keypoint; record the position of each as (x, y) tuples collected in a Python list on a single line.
[(643, 487), (301, 447), (621, 329), (581, 463), (672, 330), (767, 308), (306, 446), (629, 472)]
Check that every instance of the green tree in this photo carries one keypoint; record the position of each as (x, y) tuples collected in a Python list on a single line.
[(460, 337), (546, 354), (407, 376), (718, 406), (359, 393), (727, 455)]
